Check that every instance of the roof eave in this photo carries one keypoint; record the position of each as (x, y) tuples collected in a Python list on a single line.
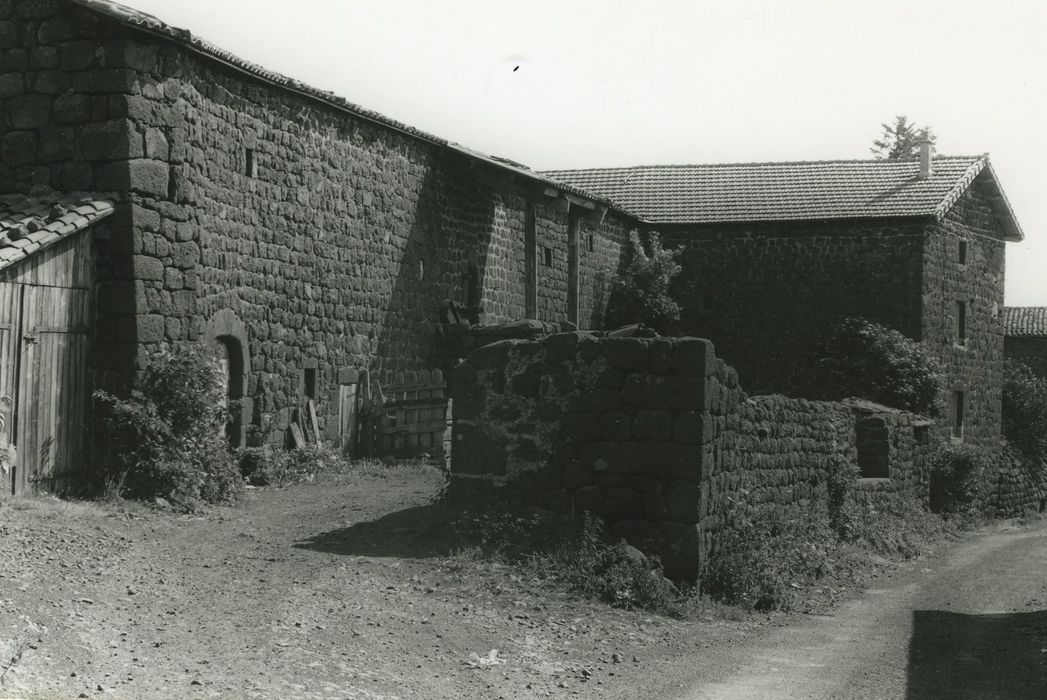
[(185, 39)]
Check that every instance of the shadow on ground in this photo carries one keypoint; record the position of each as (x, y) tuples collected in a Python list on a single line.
[(960, 657), (416, 533)]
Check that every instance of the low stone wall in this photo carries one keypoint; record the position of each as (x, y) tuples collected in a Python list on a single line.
[(657, 436)]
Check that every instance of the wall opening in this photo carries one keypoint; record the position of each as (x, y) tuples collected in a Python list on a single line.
[(230, 357), (874, 447), (963, 253), (250, 163), (548, 257), (309, 383), (957, 414), (961, 323)]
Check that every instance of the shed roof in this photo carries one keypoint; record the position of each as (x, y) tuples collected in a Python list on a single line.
[(1025, 321), (810, 190), (31, 224)]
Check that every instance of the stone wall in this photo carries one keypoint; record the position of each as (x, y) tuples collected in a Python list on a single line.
[(332, 239), (975, 364), (770, 294), (657, 437)]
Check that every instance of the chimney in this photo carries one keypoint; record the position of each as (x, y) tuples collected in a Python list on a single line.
[(925, 155)]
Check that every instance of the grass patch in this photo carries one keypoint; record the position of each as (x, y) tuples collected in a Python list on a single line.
[(802, 564), (566, 551)]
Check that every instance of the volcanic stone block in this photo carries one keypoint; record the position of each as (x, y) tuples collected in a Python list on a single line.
[(19, 147), (113, 140), (29, 111), (615, 426), (11, 84), (478, 452), (664, 392), (684, 501), (652, 425), (588, 499), (694, 357), (627, 353), (681, 552), (622, 504)]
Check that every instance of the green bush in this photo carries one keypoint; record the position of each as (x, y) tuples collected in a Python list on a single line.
[(766, 563), (266, 466), (167, 439), (871, 361), (1025, 410), (959, 474), (642, 292)]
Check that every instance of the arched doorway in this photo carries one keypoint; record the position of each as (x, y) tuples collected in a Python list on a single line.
[(230, 356), (228, 335)]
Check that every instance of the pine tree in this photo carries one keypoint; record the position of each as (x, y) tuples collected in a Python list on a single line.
[(902, 140)]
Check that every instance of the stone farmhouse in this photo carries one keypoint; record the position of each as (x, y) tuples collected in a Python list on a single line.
[(776, 254), (160, 190), (1025, 336)]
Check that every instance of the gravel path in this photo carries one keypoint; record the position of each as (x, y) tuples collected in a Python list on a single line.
[(969, 623)]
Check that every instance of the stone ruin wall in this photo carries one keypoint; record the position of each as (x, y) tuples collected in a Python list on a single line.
[(657, 436)]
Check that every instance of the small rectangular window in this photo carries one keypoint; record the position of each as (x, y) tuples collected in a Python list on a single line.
[(961, 323), (957, 414), (590, 242), (309, 382), (251, 164), (548, 257), (963, 253)]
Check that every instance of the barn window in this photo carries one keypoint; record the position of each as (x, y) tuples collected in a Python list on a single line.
[(309, 383), (251, 163), (958, 400), (590, 242), (548, 256), (961, 323), (963, 253)]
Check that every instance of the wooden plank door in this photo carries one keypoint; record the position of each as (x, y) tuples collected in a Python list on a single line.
[(53, 388), (10, 329)]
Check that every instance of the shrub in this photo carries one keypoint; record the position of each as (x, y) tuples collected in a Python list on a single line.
[(766, 563), (167, 439), (568, 549), (642, 292), (958, 478), (1025, 410), (871, 361), (265, 466)]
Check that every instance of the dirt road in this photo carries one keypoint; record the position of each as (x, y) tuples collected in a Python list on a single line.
[(970, 623), (335, 590), (348, 590)]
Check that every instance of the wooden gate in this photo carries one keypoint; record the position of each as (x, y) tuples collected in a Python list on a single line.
[(414, 416), (44, 348)]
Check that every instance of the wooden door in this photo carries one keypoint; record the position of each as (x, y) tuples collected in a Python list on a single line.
[(53, 386), (10, 327)]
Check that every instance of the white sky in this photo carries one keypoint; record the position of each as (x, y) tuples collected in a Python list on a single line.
[(604, 83)]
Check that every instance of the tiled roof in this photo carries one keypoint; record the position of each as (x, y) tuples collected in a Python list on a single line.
[(30, 224), (743, 192), (146, 22), (1025, 321)]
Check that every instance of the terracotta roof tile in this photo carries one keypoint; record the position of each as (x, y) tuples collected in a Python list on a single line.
[(1025, 321), (744, 192), (20, 213)]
